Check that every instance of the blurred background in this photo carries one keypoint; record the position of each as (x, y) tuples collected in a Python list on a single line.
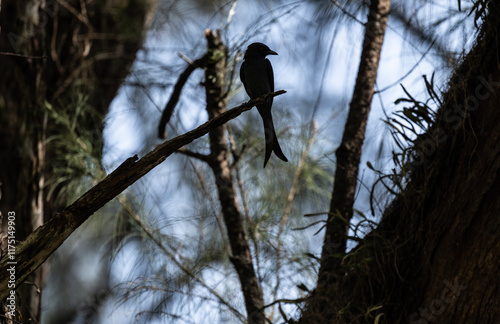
[(158, 253)]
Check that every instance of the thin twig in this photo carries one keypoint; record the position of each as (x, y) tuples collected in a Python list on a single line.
[(345, 12), (24, 56), (288, 207), (196, 155), (172, 257), (75, 12), (218, 215), (286, 301), (185, 58), (231, 74), (407, 73)]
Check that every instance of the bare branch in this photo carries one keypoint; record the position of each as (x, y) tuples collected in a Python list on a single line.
[(40, 244), (31, 57), (286, 301), (196, 155), (174, 98), (185, 58)]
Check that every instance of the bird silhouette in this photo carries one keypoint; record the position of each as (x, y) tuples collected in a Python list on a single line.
[(256, 74)]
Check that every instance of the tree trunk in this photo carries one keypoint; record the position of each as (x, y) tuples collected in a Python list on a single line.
[(52, 54), (349, 152), (219, 161), (435, 256)]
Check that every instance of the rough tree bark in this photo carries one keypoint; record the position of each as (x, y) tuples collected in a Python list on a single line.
[(435, 256), (219, 161), (51, 52), (349, 152)]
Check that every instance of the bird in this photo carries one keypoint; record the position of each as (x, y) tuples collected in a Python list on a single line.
[(256, 74)]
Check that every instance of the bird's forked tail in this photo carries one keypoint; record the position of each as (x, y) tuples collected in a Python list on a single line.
[(272, 143)]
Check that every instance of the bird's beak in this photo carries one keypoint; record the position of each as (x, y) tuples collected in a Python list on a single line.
[(271, 53)]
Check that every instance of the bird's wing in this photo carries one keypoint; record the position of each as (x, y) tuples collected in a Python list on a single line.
[(270, 75), (242, 76)]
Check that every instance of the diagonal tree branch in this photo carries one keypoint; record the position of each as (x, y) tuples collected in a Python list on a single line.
[(40, 244)]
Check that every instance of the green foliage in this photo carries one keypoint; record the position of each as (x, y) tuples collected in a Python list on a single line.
[(123, 16), (75, 151)]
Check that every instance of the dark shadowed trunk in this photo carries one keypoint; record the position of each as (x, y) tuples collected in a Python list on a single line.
[(219, 161), (53, 54), (349, 152), (435, 256)]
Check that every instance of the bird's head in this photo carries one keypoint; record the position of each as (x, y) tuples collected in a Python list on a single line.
[(258, 50)]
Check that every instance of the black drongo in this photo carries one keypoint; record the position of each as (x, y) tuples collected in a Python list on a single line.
[(256, 73)]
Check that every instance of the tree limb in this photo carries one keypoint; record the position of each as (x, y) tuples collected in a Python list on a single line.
[(174, 98), (196, 155), (40, 244)]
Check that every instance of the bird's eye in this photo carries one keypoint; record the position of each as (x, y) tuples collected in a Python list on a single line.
[(262, 48)]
